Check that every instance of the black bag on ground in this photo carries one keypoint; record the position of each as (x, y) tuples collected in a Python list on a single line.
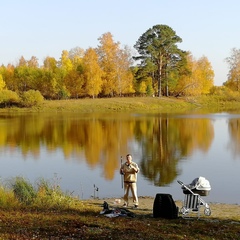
[(164, 206)]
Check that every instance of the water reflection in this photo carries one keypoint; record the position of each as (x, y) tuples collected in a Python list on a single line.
[(234, 131), (100, 139), (161, 141), (169, 140)]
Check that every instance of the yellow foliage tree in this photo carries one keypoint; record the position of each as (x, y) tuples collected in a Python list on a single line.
[(65, 62), (205, 75), (107, 52), (2, 83), (115, 63), (73, 81), (200, 79), (8, 76), (92, 73), (142, 87), (50, 63)]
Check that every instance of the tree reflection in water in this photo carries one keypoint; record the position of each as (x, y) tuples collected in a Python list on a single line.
[(158, 141)]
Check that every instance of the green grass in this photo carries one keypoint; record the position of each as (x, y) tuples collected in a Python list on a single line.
[(125, 104), (21, 193), (133, 104)]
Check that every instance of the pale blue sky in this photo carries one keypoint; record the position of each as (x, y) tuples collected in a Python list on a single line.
[(46, 27)]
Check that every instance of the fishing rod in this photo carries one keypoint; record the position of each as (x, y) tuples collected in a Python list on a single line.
[(121, 173)]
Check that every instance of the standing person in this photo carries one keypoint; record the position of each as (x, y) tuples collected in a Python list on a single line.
[(129, 170)]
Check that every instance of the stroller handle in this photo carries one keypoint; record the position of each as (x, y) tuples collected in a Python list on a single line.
[(180, 182)]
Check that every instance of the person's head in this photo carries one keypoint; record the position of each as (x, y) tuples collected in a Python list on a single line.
[(129, 158)]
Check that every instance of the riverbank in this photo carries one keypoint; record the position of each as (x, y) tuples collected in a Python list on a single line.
[(131, 104), (46, 212), (220, 211), (123, 104), (87, 222)]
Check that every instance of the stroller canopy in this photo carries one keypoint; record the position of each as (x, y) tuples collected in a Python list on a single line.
[(200, 183)]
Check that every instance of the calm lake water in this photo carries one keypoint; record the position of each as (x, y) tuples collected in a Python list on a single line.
[(82, 152)]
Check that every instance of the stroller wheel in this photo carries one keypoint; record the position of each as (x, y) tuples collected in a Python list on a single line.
[(207, 211), (184, 211)]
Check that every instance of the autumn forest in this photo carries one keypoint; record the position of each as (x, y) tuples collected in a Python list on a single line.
[(156, 67)]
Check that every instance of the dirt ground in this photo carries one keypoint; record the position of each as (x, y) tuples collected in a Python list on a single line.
[(218, 210)]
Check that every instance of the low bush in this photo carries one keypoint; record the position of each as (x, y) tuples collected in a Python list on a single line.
[(7, 199), (50, 196), (8, 98), (43, 195), (23, 190), (31, 98)]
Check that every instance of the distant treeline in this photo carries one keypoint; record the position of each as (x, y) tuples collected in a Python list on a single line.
[(159, 68)]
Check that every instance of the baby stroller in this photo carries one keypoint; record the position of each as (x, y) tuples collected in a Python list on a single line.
[(193, 202)]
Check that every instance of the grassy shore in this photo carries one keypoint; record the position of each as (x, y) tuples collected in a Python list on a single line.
[(131, 104), (84, 221), (43, 211), (124, 104)]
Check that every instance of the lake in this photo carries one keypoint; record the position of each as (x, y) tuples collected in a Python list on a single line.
[(82, 152)]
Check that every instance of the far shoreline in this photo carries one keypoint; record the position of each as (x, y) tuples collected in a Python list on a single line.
[(136, 104)]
